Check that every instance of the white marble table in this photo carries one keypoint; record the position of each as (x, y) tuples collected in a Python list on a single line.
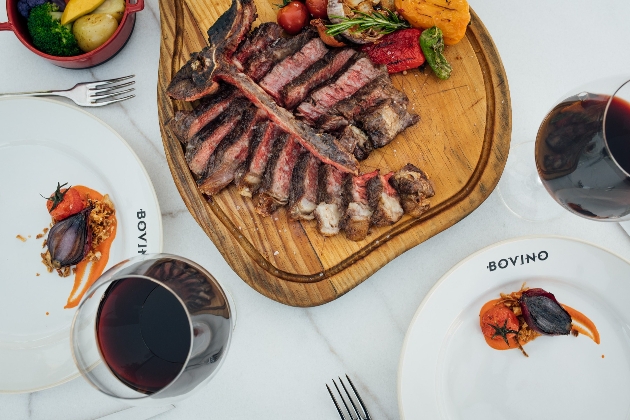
[(282, 356)]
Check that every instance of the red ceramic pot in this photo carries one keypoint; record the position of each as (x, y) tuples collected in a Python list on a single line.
[(17, 24)]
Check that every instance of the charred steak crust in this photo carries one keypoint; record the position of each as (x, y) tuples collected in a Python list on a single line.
[(303, 196), (385, 121), (260, 64), (201, 147), (277, 184), (323, 70), (260, 38), (414, 188), (291, 67), (384, 201), (321, 100), (266, 134), (372, 94), (232, 151), (356, 220), (186, 124)]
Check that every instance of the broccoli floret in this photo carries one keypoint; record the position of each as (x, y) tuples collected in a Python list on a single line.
[(48, 34)]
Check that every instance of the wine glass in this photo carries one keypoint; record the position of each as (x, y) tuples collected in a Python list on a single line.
[(582, 155), (152, 329)]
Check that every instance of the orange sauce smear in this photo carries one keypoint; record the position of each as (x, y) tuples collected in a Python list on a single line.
[(96, 269), (581, 323)]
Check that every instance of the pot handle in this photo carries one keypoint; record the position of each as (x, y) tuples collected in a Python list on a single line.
[(7, 26), (135, 7)]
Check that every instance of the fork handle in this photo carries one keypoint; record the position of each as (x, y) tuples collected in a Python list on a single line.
[(40, 93)]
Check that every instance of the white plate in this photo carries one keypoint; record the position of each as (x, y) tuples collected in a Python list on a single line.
[(42, 142), (447, 371)]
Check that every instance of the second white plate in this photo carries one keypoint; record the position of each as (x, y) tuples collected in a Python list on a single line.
[(447, 371)]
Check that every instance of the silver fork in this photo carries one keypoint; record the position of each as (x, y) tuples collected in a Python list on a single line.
[(364, 415), (88, 94)]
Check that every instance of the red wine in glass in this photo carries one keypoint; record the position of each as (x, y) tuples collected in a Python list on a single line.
[(143, 334), (152, 329), (583, 155)]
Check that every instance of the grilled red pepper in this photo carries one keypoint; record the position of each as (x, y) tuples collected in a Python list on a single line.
[(399, 50)]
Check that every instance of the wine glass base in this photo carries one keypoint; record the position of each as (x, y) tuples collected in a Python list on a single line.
[(521, 189)]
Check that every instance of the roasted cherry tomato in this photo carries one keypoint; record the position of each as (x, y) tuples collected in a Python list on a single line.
[(499, 323), (64, 202), (293, 17), (317, 8)]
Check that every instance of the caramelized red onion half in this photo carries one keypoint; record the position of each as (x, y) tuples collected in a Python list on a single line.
[(544, 314), (69, 239)]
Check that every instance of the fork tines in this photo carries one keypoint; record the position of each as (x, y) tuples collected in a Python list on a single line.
[(355, 414), (98, 91)]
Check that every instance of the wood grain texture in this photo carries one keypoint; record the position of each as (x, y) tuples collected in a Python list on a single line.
[(461, 141)]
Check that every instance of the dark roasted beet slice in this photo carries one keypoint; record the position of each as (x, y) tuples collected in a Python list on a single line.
[(544, 314)]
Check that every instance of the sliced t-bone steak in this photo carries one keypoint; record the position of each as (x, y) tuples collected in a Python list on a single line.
[(320, 72), (266, 134), (230, 156), (414, 188), (274, 192), (303, 197), (323, 99), (371, 94), (260, 38), (356, 221), (258, 66), (383, 122), (384, 201), (291, 67), (330, 196), (186, 124), (200, 147)]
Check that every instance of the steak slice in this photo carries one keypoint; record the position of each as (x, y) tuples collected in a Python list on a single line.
[(356, 221), (303, 197), (186, 124), (368, 96), (323, 70), (323, 99), (261, 38), (383, 122), (291, 67), (195, 79), (331, 200), (384, 201), (414, 188), (230, 156), (266, 133), (200, 147), (260, 64), (274, 191)]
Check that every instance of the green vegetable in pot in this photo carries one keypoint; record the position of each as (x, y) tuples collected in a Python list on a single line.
[(48, 34), (432, 44)]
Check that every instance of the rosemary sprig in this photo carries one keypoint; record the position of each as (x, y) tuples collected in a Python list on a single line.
[(384, 23)]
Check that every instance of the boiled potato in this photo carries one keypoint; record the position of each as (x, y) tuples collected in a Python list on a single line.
[(116, 8), (91, 31)]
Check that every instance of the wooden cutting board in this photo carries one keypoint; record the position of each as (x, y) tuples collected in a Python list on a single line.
[(462, 142)]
